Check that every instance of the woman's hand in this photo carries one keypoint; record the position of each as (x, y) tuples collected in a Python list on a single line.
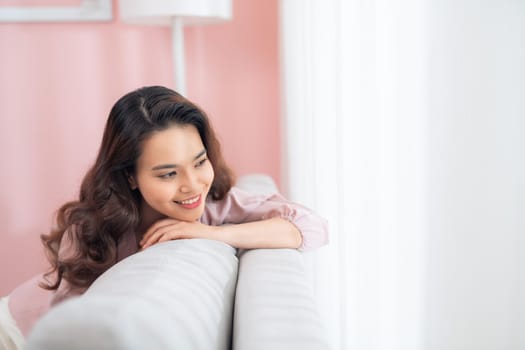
[(171, 229), (268, 233)]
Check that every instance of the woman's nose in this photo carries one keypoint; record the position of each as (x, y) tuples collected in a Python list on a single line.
[(189, 183)]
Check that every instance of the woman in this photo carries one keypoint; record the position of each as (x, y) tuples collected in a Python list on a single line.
[(159, 175)]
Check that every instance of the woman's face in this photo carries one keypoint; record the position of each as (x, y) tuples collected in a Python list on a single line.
[(173, 174)]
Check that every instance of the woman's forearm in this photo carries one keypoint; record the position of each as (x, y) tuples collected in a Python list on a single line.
[(270, 233)]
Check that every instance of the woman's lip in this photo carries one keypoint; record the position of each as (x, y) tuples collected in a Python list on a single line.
[(191, 205)]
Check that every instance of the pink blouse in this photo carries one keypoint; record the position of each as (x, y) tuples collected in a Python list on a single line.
[(28, 302)]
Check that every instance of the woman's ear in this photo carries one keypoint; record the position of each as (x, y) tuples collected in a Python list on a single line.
[(131, 181)]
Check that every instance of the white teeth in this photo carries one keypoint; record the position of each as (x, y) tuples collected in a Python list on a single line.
[(190, 201)]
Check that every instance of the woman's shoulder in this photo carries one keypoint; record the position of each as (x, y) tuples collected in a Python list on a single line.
[(239, 197), (235, 204)]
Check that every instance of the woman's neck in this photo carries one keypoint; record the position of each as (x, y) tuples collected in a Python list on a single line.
[(148, 216)]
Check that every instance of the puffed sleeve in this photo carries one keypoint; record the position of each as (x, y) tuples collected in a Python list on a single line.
[(240, 207)]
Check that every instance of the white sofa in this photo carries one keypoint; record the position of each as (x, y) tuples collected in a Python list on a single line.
[(192, 294)]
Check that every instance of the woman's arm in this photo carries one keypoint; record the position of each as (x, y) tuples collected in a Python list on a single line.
[(243, 207), (269, 233), (247, 221)]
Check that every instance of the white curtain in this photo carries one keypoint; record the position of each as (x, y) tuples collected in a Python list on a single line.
[(405, 127)]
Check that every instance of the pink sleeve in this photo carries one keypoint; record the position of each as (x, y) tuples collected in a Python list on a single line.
[(240, 206)]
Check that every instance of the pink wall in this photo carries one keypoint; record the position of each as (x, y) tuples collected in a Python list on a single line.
[(58, 82)]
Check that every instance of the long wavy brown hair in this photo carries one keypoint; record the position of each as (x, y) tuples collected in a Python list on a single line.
[(107, 209)]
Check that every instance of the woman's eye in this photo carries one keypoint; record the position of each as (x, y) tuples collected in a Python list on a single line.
[(201, 162), (168, 175)]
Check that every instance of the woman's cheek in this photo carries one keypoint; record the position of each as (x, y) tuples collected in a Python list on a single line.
[(159, 191), (211, 174)]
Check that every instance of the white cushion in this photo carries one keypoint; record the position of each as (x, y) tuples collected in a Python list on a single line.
[(174, 295), (274, 304), (257, 184)]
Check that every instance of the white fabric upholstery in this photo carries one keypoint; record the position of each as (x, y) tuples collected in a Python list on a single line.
[(257, 184), (180, 295), (174, 295), (274, 304), (10, 336)]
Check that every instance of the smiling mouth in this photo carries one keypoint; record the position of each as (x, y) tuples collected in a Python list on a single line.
[(190, 203)]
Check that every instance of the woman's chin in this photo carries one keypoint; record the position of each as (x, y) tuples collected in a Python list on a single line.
[(190, 216)]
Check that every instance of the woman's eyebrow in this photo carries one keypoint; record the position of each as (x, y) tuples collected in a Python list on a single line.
[(171, 166)]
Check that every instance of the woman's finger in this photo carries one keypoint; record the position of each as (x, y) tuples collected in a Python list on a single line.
[(164, 238), (154, 237), (175, 230), (170, 232), (155, 227)]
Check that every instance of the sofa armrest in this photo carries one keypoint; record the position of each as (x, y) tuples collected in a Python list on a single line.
[(174, 295), (274, 304), (257, 184)]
